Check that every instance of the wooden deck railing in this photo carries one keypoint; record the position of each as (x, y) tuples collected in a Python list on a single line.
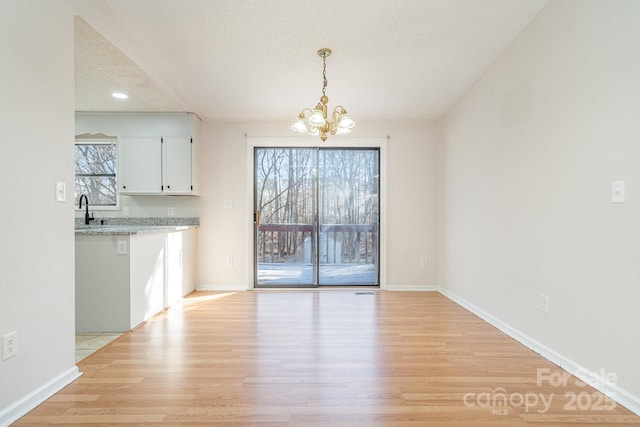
[(342, 243)]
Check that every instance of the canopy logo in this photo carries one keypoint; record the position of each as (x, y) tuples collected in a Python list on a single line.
[(500, 401)]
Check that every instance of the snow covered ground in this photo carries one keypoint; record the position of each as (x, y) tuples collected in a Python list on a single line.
[(287, 274)]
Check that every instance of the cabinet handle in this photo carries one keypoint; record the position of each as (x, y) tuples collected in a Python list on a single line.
[(168, 187), (124, 186)]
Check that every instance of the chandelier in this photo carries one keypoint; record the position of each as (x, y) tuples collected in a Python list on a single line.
[(316, 122)]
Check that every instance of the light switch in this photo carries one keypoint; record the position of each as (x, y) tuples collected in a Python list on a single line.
[(61, 192), (617, 192)]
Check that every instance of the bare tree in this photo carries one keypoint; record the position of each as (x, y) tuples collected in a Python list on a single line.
[(96, 173)]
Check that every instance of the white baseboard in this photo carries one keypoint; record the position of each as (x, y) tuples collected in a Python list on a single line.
[(594, 379), (21, 407), (395, 287), (226, 288), (222, 287)]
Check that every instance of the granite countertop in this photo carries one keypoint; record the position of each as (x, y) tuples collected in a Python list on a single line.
[(130, 229), (119, 226)]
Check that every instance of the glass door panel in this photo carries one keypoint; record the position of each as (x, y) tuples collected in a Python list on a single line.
[(285, 204), (348, 207)]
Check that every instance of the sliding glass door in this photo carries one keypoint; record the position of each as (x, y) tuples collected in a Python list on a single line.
[(316, 216)]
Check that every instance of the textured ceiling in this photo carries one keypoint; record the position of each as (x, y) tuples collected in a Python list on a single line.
[(256, 59), (102, 69)]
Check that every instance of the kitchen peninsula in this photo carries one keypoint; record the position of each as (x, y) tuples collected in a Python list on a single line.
[(127, 271)]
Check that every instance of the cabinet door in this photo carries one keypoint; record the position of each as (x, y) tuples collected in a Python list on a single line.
[(176, 158), (147, 272), (140, 165), (181, 257)]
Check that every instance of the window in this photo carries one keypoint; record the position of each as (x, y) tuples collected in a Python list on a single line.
[(96, 166)]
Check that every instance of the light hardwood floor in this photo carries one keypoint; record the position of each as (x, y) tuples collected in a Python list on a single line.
[(322, 358)]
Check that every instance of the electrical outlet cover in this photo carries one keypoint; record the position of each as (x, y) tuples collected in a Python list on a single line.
[(544, 303), (9, 345), (122, 247)]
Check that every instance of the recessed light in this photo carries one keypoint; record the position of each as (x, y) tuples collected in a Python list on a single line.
[(120, 95)]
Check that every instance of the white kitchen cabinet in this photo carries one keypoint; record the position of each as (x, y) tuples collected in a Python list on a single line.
[(156, 165), (177, 166), (147, 276), (140, 165), (181, 257)]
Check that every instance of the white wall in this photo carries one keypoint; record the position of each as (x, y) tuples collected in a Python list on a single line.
[(411, 205), (37, 249), (527, 160)]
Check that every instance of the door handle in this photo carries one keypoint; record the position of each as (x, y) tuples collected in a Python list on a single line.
[(256, 218)]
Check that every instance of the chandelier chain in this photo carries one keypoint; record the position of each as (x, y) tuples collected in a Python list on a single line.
[(324, 75)]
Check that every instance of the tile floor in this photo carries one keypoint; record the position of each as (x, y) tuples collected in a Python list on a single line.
[(89, 342)]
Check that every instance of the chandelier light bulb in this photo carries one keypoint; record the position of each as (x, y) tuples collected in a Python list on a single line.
[(316, 118), (300, 125), (346, 122)]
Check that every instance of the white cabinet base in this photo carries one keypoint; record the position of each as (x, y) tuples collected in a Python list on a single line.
[(116, 293)]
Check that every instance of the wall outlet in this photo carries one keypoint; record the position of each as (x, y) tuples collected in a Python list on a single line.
[(228, 203), (229, 262), (544, 303), (9, 345), (122, 247), (423, 262), (171, 211)]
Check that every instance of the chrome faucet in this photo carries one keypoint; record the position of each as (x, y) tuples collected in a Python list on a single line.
[(87, 219)]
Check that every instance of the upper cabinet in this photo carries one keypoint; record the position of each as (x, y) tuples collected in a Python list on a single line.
[(156, 165), (157, 152), (139, 165), (177, 166)]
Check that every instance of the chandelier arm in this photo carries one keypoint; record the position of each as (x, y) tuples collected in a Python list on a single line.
[(333, 127), (334, 119), (302, 113)]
